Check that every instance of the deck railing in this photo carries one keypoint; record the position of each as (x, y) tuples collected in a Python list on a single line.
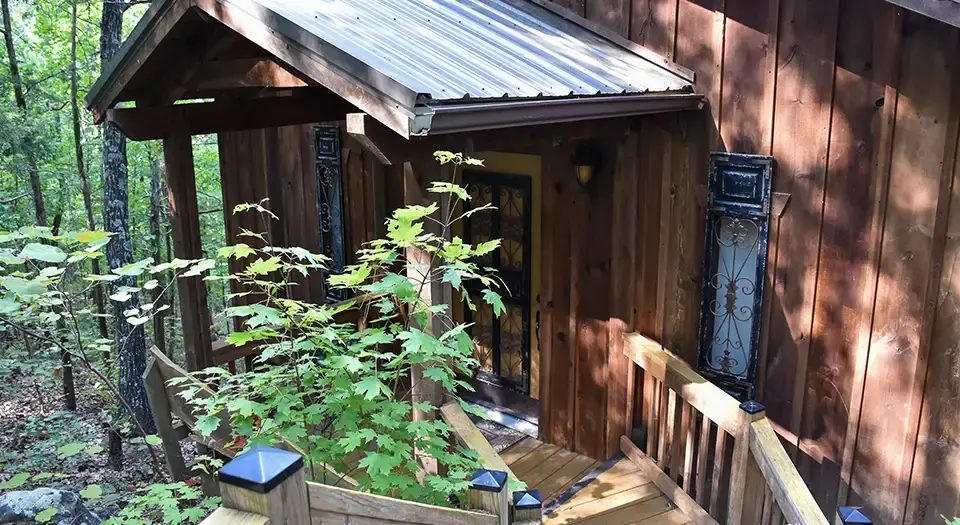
[(719, 460)]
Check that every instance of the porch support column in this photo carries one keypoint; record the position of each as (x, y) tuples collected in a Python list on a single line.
[(432, 292), (185, 223)]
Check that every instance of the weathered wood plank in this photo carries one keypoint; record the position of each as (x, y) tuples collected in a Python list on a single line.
[(805, 67), (558, 329), (792, 495), (676, 494), (622, 278), (223, 516), (864, 107), (612, 14), (900, 344), (749, 70), (653, 24), (519, 450), (699, 46), (469, 436), (591, 288), (324, 498)]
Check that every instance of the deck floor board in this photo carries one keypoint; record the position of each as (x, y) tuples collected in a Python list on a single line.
[(621, 495)]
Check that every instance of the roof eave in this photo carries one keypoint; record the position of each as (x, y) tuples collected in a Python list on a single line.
[(441, 119)]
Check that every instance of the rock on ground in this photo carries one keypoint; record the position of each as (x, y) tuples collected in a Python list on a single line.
[(23, 506)]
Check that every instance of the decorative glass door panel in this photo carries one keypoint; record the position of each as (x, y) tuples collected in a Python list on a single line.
[(734, 265), (502, 345)]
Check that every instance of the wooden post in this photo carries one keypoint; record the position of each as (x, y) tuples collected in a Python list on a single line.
[(744, 481), (852, 516), (488, 493), (185, 223), (431, 293), (269, 482), (527, 507)]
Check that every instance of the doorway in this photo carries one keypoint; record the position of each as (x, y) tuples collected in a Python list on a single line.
[(507, 347)]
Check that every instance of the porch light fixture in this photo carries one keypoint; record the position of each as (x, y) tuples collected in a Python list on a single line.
[(587, 161)]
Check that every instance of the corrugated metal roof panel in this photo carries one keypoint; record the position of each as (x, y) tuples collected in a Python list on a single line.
[(447, 50)]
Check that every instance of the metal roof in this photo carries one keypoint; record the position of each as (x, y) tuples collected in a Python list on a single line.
[(448, 50)]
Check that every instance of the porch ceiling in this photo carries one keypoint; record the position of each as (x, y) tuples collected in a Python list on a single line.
[(436, 66)]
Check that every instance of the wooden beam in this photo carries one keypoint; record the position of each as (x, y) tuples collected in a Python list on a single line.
[(469, 436), (185, 223), (261, 72), (229, 115)]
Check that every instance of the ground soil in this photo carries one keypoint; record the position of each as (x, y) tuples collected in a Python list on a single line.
[(33, 426)]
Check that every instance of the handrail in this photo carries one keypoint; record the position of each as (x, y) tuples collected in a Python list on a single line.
[(791, 493), (762, 482)]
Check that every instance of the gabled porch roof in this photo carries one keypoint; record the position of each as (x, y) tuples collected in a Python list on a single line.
[(418, 67)]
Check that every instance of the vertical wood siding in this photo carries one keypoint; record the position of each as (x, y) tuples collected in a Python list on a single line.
[(859, 101)]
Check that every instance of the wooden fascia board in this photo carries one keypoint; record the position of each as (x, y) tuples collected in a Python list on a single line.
[(366, 88), (143, 40), (151, 123)]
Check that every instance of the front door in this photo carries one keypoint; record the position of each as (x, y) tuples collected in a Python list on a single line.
[(502, 344)]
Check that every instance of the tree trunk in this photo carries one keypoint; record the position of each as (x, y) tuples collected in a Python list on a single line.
[(27, 145), (131, 347), (157, 192), (82, 167)]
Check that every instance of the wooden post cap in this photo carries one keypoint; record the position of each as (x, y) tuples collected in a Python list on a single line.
[(527, 500), (260, 469), (488, 480), (851, 515), (752, 407)]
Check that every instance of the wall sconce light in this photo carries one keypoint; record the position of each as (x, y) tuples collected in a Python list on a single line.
[(587, 161)]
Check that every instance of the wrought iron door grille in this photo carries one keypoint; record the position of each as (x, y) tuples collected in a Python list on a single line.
[(330, 203), (734, 265), (502, 345)]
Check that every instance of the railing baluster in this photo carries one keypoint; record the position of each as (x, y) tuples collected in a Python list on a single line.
[(703, 462), (663, 426), (688, 431), (649, 406), (717, 503)]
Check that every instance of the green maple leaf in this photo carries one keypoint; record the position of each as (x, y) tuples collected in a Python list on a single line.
[(494, 300), (370, 387), (264, 266), (208, 424)]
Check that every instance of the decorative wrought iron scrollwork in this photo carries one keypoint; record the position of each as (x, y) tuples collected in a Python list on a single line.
[(502, 345), (734, 265), (330, 202)]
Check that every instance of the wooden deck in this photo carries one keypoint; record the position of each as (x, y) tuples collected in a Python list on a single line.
[(620, 495)]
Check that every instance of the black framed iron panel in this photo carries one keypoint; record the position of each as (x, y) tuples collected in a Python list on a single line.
[(518, 283), (738, 217), (330, 202)]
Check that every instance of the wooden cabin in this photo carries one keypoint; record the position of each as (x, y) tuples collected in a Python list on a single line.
[(834, 126)]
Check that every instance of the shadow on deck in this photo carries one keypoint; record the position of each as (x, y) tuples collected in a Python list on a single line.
[(578, 489)]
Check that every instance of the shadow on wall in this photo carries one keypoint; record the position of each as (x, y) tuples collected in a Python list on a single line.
[(858, 102)]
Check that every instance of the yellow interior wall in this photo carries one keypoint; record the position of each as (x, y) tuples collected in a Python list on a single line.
[(527, 165)]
